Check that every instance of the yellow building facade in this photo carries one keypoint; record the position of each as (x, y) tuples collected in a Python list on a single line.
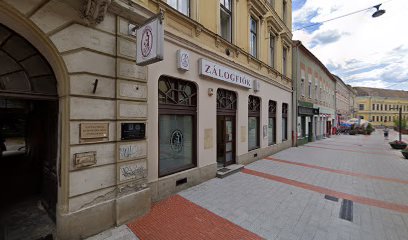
[(381, 107)]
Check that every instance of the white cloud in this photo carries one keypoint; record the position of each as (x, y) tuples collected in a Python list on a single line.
[(364, 42)]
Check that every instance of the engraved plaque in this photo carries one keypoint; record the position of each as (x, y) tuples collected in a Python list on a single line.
[(132, 171), (94, 130), (84, 159)]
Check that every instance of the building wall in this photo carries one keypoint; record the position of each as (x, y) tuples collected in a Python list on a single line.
[(81, 51), (377, 114), (343, 107)]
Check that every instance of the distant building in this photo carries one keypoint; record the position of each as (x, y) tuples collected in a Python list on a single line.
[(380, 106), (314, 96), (344, 101)]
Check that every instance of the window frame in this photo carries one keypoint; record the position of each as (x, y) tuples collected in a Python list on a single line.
[(229, 13), (285, 109), (255, 113), (177, 109), (272, 109), (272, 48), (253, 47), (178, 8), (284, 60)]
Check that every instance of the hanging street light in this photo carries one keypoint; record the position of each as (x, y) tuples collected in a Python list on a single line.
[(379, 11)]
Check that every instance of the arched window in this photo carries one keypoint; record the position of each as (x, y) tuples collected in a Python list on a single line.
[(272, 122), (177, 125), (254, 112)]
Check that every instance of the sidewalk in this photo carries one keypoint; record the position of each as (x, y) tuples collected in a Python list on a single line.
[(344, 187)]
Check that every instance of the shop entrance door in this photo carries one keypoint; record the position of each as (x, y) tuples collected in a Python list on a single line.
[(225, 140), (226, 111)]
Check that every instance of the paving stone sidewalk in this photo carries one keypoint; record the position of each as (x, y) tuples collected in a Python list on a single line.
[(283, 197)]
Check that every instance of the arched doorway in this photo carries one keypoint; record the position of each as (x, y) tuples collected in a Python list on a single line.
[(28, 139)]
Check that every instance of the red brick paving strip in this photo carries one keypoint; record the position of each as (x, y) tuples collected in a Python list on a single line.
[(178, 218), (363, 200), (348, 150), (361, 175)]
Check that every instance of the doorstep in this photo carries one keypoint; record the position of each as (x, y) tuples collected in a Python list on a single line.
[(228, 170)]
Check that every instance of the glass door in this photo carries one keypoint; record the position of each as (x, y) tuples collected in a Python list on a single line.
[(225, 140)]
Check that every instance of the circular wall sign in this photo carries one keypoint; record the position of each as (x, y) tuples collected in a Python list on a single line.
[(177, 140), (146, 41)]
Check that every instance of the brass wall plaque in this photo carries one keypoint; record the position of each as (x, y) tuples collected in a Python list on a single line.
[(94, 130), (84, 159)]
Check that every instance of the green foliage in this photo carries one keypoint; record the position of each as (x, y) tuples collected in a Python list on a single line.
[(369, 129), (403, 123)]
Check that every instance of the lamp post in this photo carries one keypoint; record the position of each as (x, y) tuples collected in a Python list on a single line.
[(399, 120)]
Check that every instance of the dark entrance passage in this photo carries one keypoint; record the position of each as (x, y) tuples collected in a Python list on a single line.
[(226, 111), (28, 140)]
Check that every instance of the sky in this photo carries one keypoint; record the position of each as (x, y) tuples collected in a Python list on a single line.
[(361, 50)]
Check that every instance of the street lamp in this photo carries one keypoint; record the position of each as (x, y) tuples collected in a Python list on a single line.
[(399, 119), (378, 12)]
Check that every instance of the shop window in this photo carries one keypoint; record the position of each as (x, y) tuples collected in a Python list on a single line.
[(254, 112), (253, 39), (182, 6), (177, 125), (284, 121), (226, 19), (361, 107), (272, 122), (272, 50)]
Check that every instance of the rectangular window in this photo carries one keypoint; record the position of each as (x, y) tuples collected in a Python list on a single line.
[(176, 143), (284, 59), (310, 89), (254, 110), (316, 92), (272, 49), (373, 118), (272, 123), (284, 121), (226, 19), (361, 107), (253, 133), (302, 86), (373, 107), (378, 119), (381, 107), (385, 106), (378, 107), (381, 118), (182, 6), (253, 38)]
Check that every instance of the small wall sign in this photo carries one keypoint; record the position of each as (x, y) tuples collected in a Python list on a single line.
[(133, 131), (84, 159), (183, 60)]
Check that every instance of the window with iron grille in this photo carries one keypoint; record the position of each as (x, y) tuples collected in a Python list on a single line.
[(271, 122), (254, 112), (177, 125), (284, 121)]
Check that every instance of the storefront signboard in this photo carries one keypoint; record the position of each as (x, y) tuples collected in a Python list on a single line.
[(150, 41), (214, 70)]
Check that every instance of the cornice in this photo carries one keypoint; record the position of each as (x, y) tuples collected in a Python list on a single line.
[(258, 7)]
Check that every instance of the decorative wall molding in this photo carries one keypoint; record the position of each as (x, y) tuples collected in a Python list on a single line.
[(93, 11)]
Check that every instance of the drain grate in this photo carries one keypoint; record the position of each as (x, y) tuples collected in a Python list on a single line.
[(346, 210), (331, 198), (223, 169)]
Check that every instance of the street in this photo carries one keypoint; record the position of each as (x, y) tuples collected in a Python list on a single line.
[(344, 187)]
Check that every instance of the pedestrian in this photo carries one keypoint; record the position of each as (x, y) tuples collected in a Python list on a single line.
[(386, 133)]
